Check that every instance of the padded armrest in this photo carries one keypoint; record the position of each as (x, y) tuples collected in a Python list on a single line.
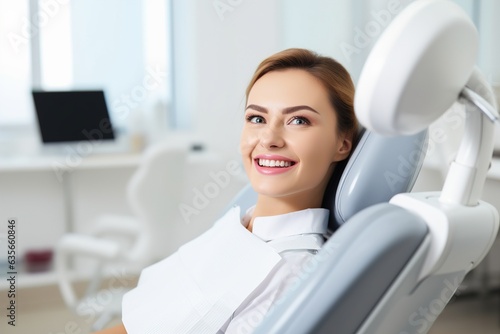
[(81, 245), (116, 225), (350, 274), (88, 246)]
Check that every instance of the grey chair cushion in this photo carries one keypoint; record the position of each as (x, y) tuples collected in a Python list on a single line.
[(339, 288), (378, 168)]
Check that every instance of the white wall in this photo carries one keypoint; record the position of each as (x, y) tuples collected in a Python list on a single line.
[(489, 39), (323, 26)]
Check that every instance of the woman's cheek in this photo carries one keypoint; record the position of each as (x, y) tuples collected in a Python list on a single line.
[(246, 148), (248, 141), (320, 155)]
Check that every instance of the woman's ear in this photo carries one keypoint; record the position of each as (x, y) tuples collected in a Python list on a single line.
[(344, 148)]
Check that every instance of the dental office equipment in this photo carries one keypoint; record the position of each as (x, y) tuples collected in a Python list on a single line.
[(420, 66)]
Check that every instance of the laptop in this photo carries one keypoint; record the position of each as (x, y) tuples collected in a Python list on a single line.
[(73, 116)]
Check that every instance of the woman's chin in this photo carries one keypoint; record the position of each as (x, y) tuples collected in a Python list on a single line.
[(270, 191)]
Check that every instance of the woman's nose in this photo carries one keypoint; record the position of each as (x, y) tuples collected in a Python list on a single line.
[(272, 137)]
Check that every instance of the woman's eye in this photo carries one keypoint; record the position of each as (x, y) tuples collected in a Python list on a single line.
[(299, 121), (255, 119)]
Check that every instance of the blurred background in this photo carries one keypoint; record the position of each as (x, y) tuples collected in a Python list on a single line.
[(173, 73)]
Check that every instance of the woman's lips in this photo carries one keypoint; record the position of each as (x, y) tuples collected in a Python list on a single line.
[(273, 164)]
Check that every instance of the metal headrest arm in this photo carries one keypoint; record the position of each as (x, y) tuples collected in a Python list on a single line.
[(467, 174)]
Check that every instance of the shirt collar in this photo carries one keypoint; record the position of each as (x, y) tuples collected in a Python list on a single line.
[(308, 221)]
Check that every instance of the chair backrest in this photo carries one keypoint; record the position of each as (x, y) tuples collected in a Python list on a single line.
[(153, 194), (379, 168)]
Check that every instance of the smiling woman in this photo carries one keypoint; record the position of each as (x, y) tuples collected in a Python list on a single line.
[(299, 123)]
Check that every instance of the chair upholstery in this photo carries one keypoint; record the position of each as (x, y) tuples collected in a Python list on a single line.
[(378, 168), (349, 277)]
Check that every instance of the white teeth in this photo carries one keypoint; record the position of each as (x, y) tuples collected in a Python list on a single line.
[(274, 163)]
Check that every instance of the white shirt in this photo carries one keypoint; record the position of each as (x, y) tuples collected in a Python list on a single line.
[(297, 236), (225, 280)]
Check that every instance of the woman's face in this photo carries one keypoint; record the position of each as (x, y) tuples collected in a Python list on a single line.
[(289, 141)]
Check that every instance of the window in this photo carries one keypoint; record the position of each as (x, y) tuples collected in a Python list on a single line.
[(15, 67), (121, 47)]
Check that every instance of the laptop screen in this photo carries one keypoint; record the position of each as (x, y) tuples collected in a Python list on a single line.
[(69, 116)]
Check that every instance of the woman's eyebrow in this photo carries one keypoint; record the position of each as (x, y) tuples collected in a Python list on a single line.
[(297, 108), (287, 110), (257, 108)]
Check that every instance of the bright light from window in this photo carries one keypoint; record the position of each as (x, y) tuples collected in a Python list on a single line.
[(15, 79), (157, 38), (55, 45)]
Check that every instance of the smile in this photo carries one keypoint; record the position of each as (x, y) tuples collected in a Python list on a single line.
[(274, 163)]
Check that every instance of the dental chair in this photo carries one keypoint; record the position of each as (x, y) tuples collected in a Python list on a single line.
[(394, 261)]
